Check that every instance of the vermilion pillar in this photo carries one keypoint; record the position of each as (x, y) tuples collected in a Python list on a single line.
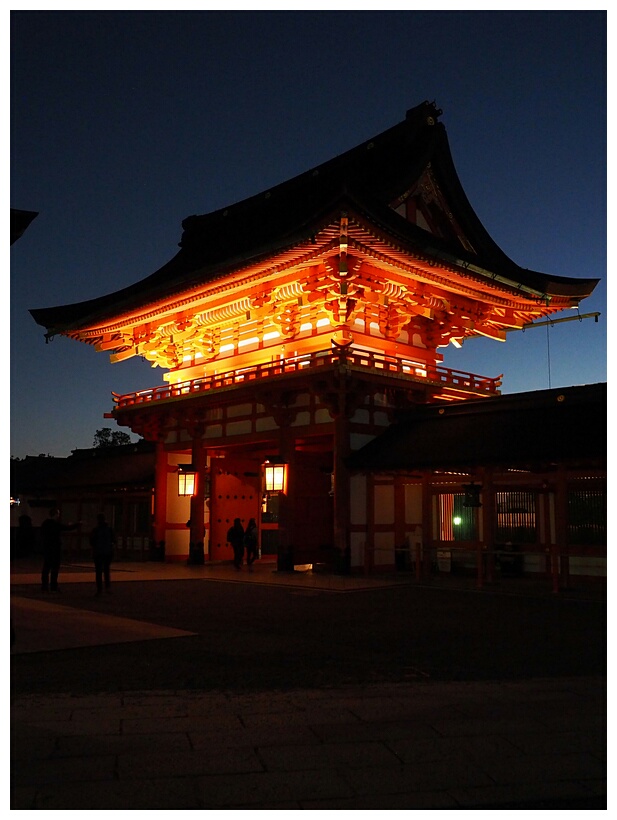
[(198, 531), (423, 566), (160, 500), (488, 523), (561, 525), (341, 488), (287, 453)]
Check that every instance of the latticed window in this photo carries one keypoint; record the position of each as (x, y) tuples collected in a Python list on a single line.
[(587, 516), (142, 512), (457, 522), (516, 517)]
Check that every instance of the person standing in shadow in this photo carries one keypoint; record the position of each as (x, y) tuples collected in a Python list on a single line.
[(51, 542), (235, 536), (250, 543), (102, 541), (25, 536)]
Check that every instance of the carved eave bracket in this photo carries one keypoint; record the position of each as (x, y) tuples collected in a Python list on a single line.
[(280, 404), (354, 278), (149, 424), (341, 392)]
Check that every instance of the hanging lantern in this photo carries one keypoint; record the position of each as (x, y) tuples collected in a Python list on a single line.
[(186, 479), (472, 495), (274, 477)]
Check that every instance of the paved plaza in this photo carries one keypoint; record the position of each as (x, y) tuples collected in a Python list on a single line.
[(201, 687)]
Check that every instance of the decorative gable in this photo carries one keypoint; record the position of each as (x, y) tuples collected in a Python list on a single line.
[(425, 206)]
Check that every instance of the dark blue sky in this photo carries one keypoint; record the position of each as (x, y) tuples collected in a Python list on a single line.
[(124, 123)]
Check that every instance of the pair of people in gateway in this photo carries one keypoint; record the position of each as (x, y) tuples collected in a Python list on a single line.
[(241, 539)]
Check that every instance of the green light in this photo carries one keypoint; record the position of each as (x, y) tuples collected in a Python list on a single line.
[(457, 520)]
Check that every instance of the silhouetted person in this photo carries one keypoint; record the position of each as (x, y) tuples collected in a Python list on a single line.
[(250, 542), (25, 535), (102, 541), (51, 542), (235, 536)]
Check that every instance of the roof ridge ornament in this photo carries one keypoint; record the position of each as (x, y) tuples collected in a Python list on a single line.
[(428, 111)]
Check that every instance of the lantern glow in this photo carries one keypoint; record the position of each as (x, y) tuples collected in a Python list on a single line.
[(274, 478), (186, 480)]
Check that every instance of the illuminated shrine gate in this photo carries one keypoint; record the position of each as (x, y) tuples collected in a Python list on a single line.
[(294, 325)]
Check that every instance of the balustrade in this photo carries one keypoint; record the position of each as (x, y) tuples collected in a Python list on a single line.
[(355, 357)]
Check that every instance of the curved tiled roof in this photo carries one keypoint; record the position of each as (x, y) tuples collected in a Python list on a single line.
[(20, 221), (527, 430), (364, 180)]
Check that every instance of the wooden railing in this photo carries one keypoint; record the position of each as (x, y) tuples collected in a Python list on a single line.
[(456, 379)]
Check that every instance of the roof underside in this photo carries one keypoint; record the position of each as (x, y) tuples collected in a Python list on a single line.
[(20, 221), (365, 181), (526, 430)]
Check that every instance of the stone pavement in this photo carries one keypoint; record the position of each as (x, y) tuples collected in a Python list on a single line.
[(405, 746), (411, 745)]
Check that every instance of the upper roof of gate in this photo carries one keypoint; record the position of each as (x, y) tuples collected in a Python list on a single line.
[(401, 182)]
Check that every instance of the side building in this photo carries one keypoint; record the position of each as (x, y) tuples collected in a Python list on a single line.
[(509, 486), (115, 481)]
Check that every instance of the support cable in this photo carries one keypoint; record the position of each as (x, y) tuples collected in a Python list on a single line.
[(549, 323)]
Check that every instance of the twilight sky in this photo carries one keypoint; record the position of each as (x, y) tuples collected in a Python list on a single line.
[(125, 123)]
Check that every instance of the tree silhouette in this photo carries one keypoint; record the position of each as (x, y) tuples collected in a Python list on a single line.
[(106, 437)]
